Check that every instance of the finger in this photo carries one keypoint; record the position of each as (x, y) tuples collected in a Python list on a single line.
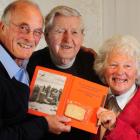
[(67, 128), (64, 119), (58, 133), (101, 110), (99, 122)]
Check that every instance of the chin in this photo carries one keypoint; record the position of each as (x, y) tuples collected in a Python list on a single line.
[(25, 57), (119, 91)]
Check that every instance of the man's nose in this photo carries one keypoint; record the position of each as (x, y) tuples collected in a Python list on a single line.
[(67, 37)]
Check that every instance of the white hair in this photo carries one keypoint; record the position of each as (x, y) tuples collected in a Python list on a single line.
[(121, 44)]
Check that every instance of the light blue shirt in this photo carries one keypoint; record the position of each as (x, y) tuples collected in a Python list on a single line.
[(12, 68)]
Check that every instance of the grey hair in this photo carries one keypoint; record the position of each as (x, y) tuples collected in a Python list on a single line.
[(61, 11), (10, 9), (120, 44)]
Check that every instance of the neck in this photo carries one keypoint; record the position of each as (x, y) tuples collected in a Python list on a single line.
[(19, 62), (22, 63)]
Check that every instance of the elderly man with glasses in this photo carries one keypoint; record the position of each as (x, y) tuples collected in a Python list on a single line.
[(20, 32)]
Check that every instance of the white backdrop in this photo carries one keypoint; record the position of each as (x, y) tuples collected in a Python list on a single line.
[(121, 17), (91, 11)]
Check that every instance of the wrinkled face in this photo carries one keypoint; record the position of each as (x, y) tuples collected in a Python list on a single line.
[(120, 72), (65, 38), (23, 33)]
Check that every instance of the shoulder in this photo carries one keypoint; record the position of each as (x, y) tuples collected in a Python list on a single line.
[(38, 58), (137, 94), (88, 53), (42, 52)]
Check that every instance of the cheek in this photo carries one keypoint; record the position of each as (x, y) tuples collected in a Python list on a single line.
[(54, 46), (9, 43), (53, 41), (108, 72), (133, 75), (37, 41), (78, 41), (108, 75)]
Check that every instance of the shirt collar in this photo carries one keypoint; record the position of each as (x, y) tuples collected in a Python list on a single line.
[(124, 98), (9, 64)]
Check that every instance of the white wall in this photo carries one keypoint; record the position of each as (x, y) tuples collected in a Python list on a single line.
[(121, 17), (91, 11), (3, 4)]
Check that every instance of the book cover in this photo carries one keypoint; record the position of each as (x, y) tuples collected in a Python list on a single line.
[(55, 92)]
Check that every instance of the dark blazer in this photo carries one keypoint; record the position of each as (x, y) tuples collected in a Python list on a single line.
[(15, 122)]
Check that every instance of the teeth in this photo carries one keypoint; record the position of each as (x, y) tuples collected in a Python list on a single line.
[(119, 80), (66, 46), (25, 46)]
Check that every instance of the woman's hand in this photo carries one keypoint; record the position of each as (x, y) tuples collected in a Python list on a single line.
[(107, 118)]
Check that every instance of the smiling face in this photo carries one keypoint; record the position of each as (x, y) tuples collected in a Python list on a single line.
[(120, 72), (19, 44), (65, 38)]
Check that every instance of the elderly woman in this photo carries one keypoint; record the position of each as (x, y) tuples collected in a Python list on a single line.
[(118, 65)]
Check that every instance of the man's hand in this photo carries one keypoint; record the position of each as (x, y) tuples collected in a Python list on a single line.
[(58, 124)]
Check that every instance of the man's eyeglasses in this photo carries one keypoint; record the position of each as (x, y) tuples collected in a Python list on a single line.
[(25, 29)]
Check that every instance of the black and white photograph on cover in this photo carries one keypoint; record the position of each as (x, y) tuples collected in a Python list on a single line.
[(46, 92)]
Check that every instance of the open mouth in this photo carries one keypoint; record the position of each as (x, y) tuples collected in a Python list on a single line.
[(66, 46), (25, 46), (118, 80)]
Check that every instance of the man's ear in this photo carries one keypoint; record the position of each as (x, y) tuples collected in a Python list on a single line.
[(2, 26)]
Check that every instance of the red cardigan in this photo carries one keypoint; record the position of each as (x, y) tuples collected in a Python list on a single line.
[(128, 122)]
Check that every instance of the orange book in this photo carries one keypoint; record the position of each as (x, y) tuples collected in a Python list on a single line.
[(55, 92)]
